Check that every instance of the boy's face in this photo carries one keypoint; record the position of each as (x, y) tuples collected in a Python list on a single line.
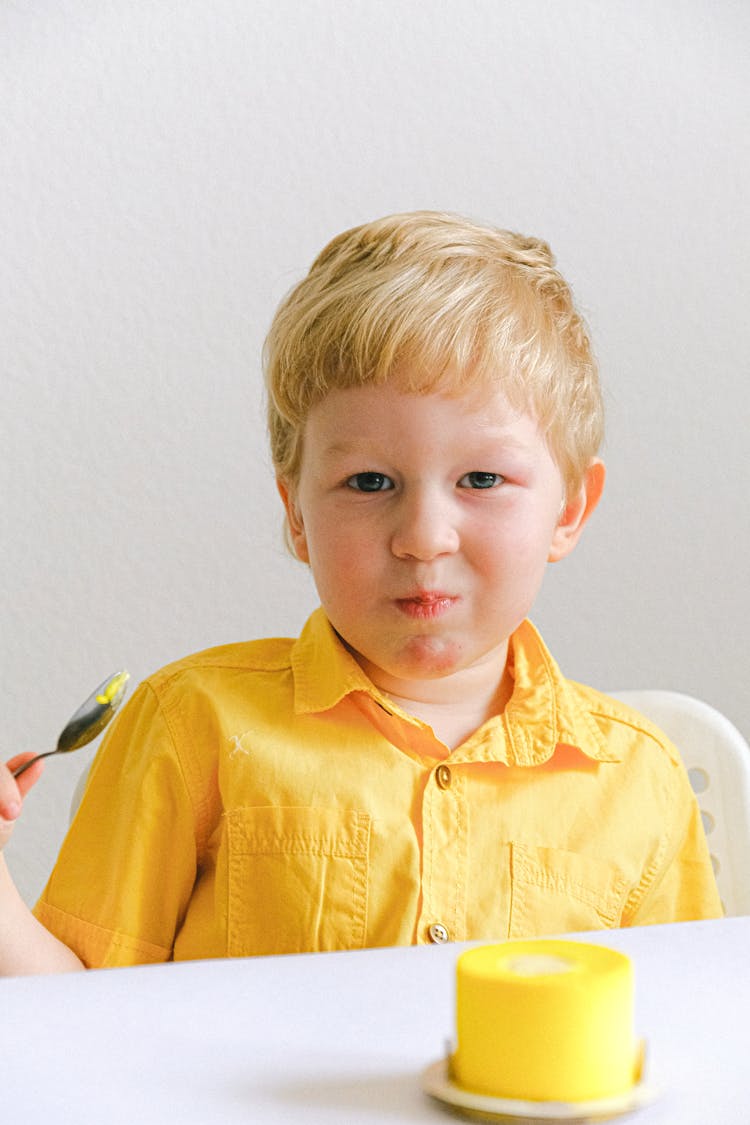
[(428, 521)]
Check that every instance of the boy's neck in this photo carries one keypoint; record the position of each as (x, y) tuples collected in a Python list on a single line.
[(454, 706)]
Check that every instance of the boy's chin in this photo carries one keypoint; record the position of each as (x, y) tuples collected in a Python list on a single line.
[(431, 658), (426, 658)]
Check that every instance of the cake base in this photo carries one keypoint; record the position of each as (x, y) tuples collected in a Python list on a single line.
[(437, 1082)]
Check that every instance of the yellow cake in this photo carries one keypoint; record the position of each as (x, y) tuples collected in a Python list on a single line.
[(545, 1021)]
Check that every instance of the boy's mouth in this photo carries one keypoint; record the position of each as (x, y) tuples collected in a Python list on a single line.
[(426, 604)]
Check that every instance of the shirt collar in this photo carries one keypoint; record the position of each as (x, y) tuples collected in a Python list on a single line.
[(544, 711), (324, 670)]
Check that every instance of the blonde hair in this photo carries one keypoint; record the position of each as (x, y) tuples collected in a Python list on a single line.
[(442, 304)]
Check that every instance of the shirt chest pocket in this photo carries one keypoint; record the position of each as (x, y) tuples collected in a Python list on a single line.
[(296, 880), (556, 891)]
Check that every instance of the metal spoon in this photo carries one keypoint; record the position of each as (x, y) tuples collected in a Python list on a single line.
[(89, 720)]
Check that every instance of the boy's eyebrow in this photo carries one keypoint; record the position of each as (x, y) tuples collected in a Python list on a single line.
[(504, 438), (338, 447)]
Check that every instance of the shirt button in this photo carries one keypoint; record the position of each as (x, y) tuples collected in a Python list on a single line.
[(438, 933), (443, 777)]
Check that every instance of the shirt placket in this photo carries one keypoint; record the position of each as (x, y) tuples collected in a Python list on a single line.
[(444, 862)]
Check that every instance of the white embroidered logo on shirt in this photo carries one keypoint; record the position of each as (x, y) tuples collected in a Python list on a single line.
[(237, 747)]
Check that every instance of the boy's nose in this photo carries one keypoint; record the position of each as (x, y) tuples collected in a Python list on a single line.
[(425, 528)]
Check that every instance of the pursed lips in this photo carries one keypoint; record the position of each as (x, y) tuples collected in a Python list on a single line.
[(426, 604)]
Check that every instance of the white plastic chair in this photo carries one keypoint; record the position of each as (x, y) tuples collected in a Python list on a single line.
[(718, 763), (77, 797)]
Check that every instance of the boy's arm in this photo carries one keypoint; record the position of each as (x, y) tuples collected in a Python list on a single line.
[(25, 945)]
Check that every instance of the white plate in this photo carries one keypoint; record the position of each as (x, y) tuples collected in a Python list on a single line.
[(436, 1082)]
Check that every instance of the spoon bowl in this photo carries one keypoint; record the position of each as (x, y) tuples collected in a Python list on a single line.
[(89, 720)]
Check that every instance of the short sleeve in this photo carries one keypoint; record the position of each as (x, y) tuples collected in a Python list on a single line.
[(684, 888), (127, 866)]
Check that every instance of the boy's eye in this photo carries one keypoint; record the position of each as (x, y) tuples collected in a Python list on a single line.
[(370, 482), (480, 480)]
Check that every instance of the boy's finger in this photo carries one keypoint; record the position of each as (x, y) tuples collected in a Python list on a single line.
[(19, 759), (10, 797), (12, 792)]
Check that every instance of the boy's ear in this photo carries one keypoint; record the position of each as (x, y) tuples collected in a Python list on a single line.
[(294, 520), (577, 510)]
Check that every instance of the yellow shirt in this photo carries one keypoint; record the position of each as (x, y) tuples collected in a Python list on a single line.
[(267, 798)]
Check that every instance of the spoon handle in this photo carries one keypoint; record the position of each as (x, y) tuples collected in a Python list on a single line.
[(25, 766)]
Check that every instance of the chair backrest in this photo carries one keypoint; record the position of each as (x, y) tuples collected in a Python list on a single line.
[(77, 797), (717, 758)]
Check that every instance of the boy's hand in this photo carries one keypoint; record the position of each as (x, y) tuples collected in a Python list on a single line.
[(12, 792)]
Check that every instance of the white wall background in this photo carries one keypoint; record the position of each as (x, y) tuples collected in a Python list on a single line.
[(170, 167)]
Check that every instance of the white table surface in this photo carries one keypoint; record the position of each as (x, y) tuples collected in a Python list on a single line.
[(341, 1037)]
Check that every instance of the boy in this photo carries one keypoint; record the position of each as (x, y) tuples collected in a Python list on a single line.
[(414, 767)]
